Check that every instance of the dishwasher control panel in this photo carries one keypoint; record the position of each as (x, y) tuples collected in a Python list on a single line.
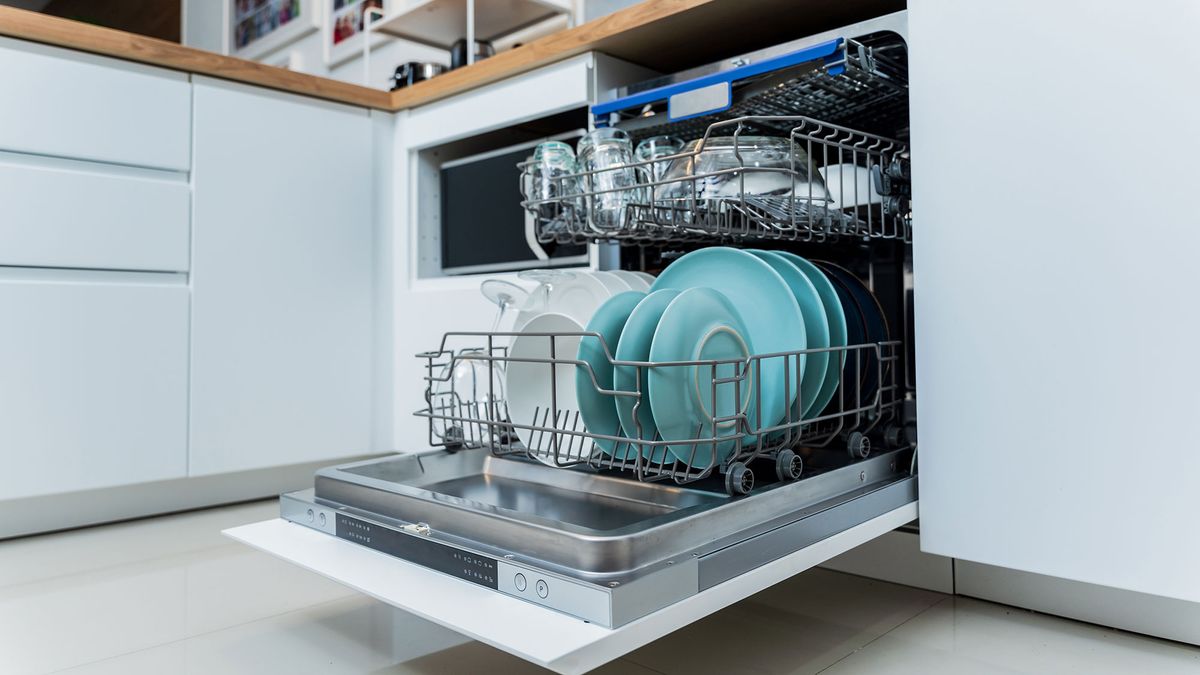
[(478, 569)]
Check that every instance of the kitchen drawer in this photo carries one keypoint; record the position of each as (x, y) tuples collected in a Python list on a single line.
[(93, 380), (69, 104), (59, 213)]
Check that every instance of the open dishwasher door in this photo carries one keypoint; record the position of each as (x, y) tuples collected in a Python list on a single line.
[(569, 545), (684, 556)]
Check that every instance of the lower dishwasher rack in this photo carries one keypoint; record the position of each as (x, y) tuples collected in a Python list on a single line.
[(604, 550)]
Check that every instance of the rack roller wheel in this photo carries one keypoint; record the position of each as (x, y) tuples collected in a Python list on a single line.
[(788, 465), (893, 436), (858, 445), (739, 480)]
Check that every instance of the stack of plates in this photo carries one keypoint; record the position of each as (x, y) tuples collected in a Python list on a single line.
[(550, 321), (716, 304), (720, 304)]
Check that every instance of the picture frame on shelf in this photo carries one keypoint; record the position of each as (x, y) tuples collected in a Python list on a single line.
[(257, 27), (344, 28)]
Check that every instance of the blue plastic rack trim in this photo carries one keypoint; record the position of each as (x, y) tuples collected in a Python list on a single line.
[(824, 50)]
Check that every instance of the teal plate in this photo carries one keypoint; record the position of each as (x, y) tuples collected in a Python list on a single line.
[(634, 346), (767, 306), (816, 328), (838, 334), (597, 409), (700, 324)]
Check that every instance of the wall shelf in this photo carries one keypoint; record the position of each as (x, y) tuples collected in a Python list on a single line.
[(440, 23)]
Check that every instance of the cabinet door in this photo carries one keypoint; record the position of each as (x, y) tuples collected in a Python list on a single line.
[(93, 380), (59, 213), (1054, 255), (66, 103), (282, 280)]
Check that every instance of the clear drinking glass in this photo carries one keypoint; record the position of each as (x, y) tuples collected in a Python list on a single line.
[(462, 390), (605, 156), (468, 393), (653, 148)]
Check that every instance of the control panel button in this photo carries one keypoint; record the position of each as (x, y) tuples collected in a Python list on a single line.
[(542, 589), (310, 515), (519, 582), (321, 517)]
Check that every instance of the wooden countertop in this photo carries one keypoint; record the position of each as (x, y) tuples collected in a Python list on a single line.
[(37, 27), (659, 34)]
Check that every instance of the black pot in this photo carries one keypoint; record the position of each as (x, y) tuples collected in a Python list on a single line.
[(458, 52), (415, 71)]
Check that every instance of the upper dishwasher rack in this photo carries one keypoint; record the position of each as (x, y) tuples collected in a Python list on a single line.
[(849, 208), (860, 83)]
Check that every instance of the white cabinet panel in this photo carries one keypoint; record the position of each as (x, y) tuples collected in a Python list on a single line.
[(70, 104), (545, 91), (282, 271), (59, 213), (1055, 250), (93, 380)]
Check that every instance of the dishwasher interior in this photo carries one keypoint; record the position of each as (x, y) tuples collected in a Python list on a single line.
[(607, 525)]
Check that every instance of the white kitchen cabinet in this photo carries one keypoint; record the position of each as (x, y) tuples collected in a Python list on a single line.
[(1055, 308), (93, 380), (64, 213), (282, 280), (66, 103)]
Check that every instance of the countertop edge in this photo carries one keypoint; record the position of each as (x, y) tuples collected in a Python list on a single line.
[(26, 25)]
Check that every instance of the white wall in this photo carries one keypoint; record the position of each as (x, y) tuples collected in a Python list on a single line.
[(203, 23)]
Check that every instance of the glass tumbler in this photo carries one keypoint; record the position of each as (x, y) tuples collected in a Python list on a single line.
[(605, 156)]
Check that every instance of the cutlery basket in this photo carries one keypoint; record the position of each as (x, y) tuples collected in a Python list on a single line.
[(863, 192), (864, 409)]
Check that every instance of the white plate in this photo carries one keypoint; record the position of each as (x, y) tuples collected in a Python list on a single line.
[(577, 296), (635, 279), (647, 276), (613, 281), (529, 390)]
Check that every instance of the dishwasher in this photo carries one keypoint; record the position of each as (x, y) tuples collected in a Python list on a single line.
[(532, 509)]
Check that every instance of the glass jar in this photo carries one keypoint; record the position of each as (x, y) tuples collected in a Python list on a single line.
[(605, 156), (550, 178), (653, 148)]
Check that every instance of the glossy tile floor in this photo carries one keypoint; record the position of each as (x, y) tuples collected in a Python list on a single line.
[(170, 595)]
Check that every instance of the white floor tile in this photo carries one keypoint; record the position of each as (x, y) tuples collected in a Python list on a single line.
[(351, 635), (801, 625), (475, 658), (961, 635), (74, 619), (354, 635), (30, 559)]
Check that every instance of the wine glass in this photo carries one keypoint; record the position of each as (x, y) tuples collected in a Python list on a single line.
[(546, 280), (505, 295)]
